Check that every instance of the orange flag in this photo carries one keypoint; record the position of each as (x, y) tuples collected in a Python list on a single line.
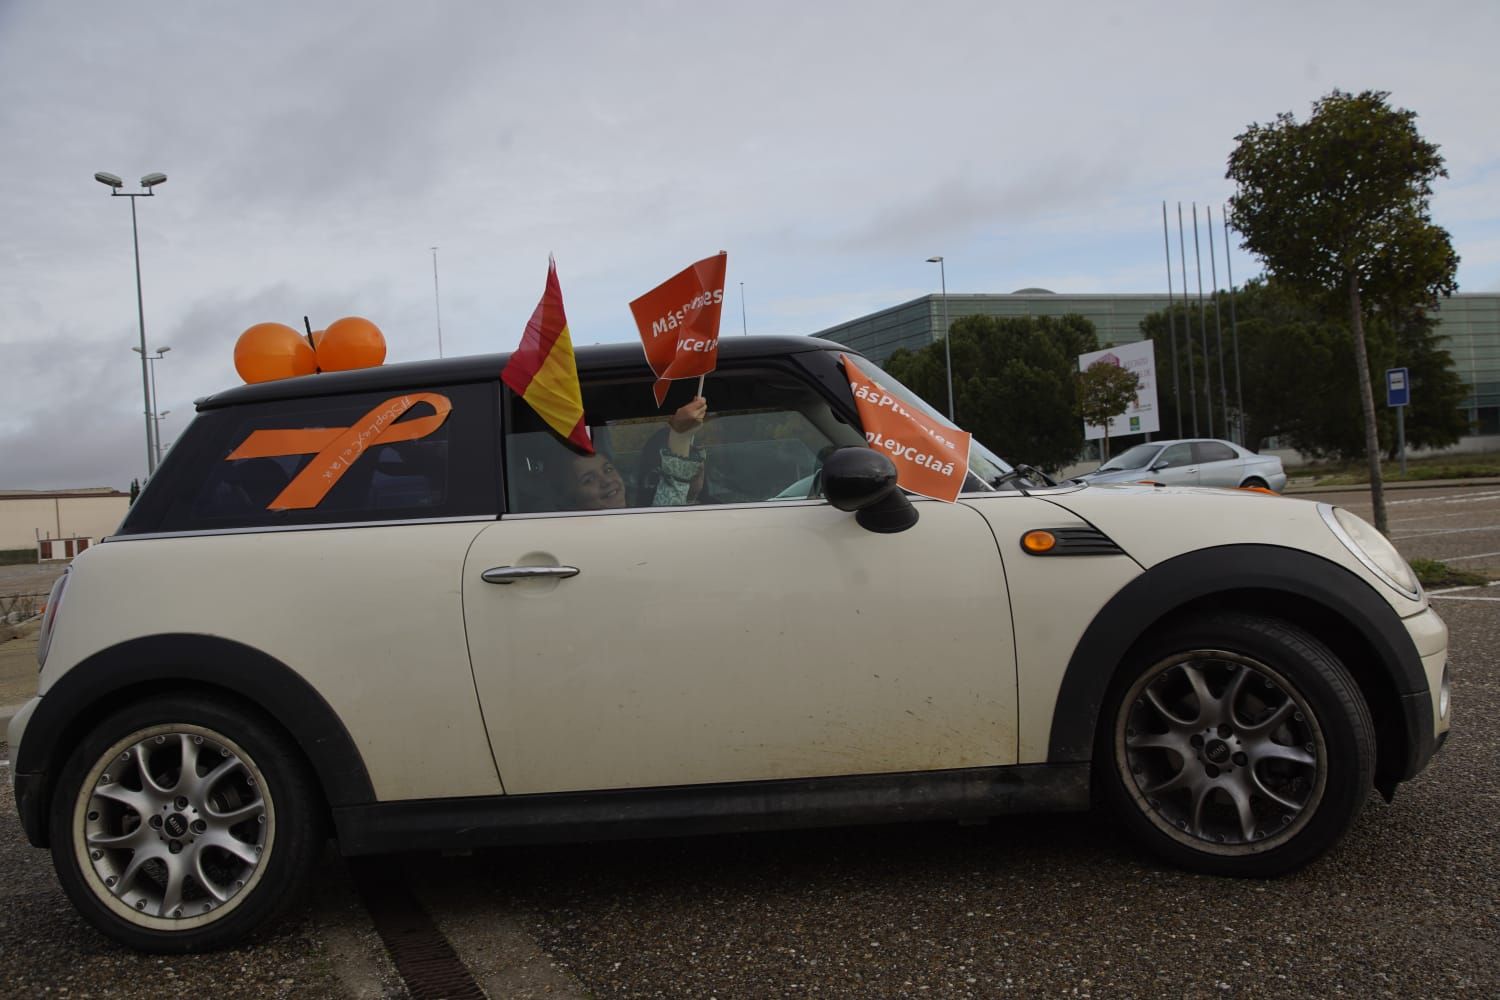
[(679, 322), (931, 459), (542, 370)]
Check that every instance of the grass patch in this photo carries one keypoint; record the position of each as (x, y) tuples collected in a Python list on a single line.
[(1433, 573), (1417, 470), (17, 557)]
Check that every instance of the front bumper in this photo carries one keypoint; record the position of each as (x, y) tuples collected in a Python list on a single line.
[(1426, 716)]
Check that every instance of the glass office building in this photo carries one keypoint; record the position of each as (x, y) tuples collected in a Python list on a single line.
[(1470, 321)]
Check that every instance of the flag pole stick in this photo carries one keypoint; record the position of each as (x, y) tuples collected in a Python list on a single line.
[(1172, 321), (1208, 382), (1187, 318), (700, 383)]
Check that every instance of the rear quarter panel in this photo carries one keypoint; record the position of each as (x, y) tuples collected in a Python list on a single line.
[(371, 617)]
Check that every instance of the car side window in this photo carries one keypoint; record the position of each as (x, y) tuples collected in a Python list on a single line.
[(1213, 451), (330, 459), (1174, 456), (764, 439)]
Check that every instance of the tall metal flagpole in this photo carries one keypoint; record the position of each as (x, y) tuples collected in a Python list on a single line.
[(1213, 272), (437, 302), (1234, 328), (744, 323), (1166, 242), (1187, 318), (1208, 382)]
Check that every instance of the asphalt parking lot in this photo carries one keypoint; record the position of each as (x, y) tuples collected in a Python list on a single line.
[(1405, 906)]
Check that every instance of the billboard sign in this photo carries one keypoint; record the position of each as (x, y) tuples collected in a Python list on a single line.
[(1143, 416)]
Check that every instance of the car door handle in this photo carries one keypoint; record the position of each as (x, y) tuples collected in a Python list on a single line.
[(510, 574)]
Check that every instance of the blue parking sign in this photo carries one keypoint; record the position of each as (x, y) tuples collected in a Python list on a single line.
[(1397, 387)]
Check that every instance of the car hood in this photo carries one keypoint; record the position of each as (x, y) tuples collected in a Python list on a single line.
[(1155, 523), (1116, 476)]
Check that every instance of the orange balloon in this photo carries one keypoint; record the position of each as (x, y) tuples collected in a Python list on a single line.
[(317, 338), (351, 342), (270, 351)]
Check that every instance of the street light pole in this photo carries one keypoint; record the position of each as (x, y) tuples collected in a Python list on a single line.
[(947, 348), (156, 412), (437, 302), (148, 182)]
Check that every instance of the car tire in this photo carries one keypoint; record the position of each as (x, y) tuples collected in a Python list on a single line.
[(1254, 483), (1235, 745), (162, 861)]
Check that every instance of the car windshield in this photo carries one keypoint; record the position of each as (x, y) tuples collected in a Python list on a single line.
[(1134, 458), (984, 465)]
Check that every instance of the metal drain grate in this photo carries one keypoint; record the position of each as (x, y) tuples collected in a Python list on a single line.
[(428, 964)]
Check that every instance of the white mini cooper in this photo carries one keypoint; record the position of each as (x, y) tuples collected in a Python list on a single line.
[(382, 605)]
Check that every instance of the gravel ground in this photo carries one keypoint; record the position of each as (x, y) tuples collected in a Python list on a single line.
[(46, 949), (29, 578), (1045, 906), (1405, 906)]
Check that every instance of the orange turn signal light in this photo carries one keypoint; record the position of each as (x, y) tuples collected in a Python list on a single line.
[(1038, 541)]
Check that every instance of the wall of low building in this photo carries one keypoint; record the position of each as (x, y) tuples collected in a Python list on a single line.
[(60, 515)]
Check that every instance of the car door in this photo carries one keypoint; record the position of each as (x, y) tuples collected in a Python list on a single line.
[(1218, 464), (741, 638), (1175, 466)]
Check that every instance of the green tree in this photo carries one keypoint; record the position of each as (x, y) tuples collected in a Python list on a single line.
[(1337, 207), (1313, 404), (135, 490), (1105, 390), (1013, 384)]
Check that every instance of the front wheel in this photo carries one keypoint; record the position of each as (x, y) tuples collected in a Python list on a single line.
[(182, 824), (1236, 745)]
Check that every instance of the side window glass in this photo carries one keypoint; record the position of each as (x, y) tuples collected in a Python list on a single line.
[(371, 456), (1213, 451), (763, 440), (1176, 455)]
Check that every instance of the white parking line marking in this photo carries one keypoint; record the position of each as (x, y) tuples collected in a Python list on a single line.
[(1396, 522), (1447, 498), (1480, 555), (1449, 597), (1446, 531), (1467, 586)]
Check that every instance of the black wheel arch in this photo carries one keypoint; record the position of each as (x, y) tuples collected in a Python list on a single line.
[(1325, 599), (137, 668)]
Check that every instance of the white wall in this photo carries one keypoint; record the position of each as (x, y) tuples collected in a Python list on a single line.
[(22, 519)]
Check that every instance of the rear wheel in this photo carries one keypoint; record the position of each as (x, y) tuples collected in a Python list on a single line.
[(1236, 745), (183, 824), (1254, 483)]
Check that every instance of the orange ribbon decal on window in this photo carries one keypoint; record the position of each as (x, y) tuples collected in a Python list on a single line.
[(336, 448)]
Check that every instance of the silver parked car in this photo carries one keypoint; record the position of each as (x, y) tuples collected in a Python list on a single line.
[(1198, 462)]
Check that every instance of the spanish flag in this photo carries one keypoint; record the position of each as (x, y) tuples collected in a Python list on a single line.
[(542, 370)]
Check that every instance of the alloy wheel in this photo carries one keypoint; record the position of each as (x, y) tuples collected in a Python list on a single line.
[(175, 824), (1221, 752)]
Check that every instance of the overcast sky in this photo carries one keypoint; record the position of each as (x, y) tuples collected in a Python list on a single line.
[(316, 152)]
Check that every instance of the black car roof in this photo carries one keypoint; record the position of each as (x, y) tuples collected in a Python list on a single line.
[(447, 371)]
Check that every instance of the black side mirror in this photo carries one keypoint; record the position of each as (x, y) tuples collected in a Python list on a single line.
[(1158, 466), (863, 480)]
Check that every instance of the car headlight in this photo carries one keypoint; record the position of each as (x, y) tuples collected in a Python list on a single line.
[(1373, 549)]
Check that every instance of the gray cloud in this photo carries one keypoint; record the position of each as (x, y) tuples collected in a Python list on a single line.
[(316, 152)]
